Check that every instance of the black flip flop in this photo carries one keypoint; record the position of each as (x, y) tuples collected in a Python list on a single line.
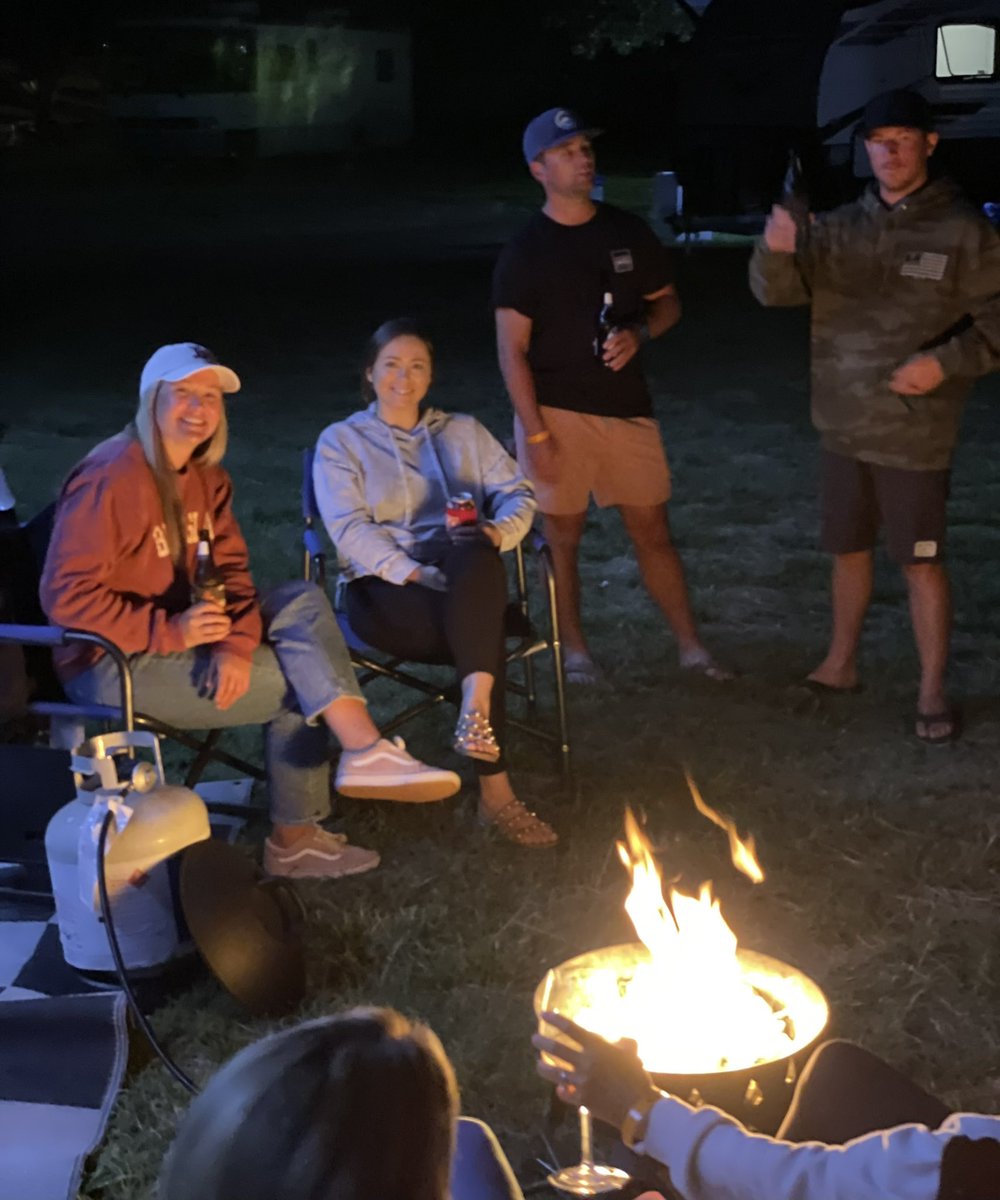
[(949, 715), (827, 689)]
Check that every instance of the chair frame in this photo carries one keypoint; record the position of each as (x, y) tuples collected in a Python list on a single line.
[(369, 668), (67, 720)]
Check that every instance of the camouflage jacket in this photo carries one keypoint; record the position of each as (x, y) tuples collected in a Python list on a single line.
[(884, 285)]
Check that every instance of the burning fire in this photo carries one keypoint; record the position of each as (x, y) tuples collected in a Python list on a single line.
[(692, 1004)]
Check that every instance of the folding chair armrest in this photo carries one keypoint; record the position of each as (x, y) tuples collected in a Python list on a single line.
[(33, 635), (313, 543), (57, 635)]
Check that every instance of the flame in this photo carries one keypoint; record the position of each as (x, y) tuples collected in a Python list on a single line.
[(691, 1007), (742, 851)]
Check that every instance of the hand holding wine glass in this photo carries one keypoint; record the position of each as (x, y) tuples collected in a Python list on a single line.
[(589, 1070), (556, 1063)]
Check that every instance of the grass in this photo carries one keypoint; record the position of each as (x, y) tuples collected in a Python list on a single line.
[(882, 855)]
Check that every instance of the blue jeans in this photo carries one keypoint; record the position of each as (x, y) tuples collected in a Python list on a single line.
[(480, 1170), (302, 667)]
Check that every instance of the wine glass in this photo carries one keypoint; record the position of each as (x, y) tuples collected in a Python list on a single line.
[(586, 1178)]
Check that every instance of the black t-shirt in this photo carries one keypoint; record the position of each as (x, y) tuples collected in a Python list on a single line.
[(556, 275)]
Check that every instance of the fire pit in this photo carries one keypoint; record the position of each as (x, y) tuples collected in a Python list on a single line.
[(757, 1090), (714, 1023)]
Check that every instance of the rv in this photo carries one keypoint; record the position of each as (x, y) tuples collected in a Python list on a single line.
[(761, 78), (949, 52), (236, 86)]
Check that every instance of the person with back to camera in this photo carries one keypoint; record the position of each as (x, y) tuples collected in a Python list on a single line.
[(412, 587), (358, 1106), (904, 285), (121, 563), (570, 358), (856, 1129)]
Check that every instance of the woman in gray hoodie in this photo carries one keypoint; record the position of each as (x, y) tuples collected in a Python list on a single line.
[(414, 588)]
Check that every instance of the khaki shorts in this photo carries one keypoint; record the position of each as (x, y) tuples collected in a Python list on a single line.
[(617, 460)]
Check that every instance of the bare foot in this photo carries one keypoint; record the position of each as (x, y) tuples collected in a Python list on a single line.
[(580, 669), (700, 662)]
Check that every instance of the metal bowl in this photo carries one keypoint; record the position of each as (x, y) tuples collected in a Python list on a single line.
[(757, 1094)]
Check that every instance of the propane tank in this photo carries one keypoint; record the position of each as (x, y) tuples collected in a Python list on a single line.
[(151, 822)]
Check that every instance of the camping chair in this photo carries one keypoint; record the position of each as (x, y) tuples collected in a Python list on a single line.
[(66, 720), (525, 642)]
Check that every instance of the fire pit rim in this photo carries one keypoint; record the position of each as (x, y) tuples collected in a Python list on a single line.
[(751, 959)]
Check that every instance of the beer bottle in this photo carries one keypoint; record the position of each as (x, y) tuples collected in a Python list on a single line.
[(605, 327), (794, 195), (208, 583)]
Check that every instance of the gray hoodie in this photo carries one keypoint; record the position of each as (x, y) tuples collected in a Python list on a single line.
[(382, 491)]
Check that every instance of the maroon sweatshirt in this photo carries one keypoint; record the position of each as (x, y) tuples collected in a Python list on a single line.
[(109, 571)]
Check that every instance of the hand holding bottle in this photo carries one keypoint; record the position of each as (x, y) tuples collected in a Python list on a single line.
[(780, 231), (201, 624), (621, 346)]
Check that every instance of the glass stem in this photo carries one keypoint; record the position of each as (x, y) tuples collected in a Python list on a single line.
[(586, 1137)]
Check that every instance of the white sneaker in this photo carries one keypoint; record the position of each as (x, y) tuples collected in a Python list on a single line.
[(386, 772)]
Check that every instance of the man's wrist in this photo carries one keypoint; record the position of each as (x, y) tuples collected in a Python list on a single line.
[(642, 332)]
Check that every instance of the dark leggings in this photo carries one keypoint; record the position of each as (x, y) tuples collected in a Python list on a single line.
[(463, 625), (845, 1092)]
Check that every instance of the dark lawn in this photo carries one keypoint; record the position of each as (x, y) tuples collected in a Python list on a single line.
[(882, 854)]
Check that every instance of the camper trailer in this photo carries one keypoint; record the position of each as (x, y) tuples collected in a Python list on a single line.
[(760, 78), (236, 86), (950, 52)]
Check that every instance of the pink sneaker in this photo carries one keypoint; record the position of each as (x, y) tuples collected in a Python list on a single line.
[(386, 772), (318, 855)]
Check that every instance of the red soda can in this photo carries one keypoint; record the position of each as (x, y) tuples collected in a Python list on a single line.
[(461, 510)]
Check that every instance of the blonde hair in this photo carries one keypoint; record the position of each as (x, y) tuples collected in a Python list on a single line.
[(210, 453)]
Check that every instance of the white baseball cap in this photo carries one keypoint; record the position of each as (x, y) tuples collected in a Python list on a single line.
[(181, 359)]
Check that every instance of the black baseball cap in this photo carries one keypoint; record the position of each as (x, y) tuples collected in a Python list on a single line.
[(902, 107)]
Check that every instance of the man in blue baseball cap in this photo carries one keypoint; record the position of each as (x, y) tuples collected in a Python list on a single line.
[(576, 293), (550, 129)]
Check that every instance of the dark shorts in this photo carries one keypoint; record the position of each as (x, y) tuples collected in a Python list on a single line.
[(857, 497)]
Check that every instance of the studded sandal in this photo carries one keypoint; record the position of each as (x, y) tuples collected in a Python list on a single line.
[(474, 737), (521, 826)]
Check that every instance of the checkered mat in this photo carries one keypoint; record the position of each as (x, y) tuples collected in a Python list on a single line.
[(61, 1064), (62, 1052)]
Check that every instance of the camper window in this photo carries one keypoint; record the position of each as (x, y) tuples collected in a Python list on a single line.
[(385, 66), (282, 66), (966, 52), (178, 60)]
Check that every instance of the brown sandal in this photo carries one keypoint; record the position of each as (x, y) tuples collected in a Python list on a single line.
[(521, 826)]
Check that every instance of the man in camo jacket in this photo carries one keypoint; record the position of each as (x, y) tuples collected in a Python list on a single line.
[(905, 291)]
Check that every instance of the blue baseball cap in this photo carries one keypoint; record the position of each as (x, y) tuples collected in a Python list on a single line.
[(552, 128)]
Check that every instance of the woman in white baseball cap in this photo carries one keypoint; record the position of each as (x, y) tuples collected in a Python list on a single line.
[(129, 523)]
